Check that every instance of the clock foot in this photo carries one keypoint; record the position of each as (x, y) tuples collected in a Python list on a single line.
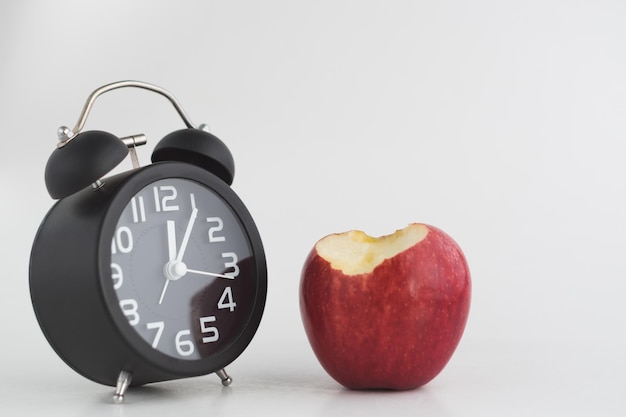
[(123, 382), (226, 380)]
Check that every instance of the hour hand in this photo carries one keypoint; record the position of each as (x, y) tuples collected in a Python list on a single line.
[(171, 250), (171, 239)]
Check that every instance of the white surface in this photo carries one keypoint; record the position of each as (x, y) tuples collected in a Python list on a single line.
[(503, 123)]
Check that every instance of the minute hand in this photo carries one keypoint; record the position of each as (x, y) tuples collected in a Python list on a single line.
[(183, 245)]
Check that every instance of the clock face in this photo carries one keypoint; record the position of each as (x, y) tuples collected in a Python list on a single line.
[(182, 269)]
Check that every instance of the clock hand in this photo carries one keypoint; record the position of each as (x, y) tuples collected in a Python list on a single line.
[(171, 239), (211, 274), (167, 281), (171, 248), (183, 245), (175, 268)]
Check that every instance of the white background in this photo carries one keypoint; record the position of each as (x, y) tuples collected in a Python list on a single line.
[(503, 123)]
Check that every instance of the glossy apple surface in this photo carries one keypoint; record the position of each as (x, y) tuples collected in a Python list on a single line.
[(388, 312)]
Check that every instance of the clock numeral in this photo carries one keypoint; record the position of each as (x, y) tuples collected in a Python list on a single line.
[(231, 264), (215, 229), (129, 307), (117, 276), (211, 331), (183, 341), (163, 197), (139, 209), (226, 300), (184, 347), (159, 326), (122, 241)]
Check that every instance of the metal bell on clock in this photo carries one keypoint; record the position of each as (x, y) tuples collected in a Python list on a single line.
[(82, 159), (197, 147)]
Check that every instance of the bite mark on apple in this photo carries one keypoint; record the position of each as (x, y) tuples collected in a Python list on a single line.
[(355, 252)]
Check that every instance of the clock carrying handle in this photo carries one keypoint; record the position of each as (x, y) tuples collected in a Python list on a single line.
[(94, 153), (65, 134)]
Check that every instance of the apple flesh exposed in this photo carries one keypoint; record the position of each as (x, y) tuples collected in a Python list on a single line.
[(388, 312)]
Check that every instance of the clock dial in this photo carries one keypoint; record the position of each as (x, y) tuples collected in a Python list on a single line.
[(182, 269)]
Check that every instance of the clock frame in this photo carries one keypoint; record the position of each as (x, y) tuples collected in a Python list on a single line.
[(71, 273), (73, 295)]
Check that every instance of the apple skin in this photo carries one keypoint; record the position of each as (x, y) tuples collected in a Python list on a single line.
[(395, 327)]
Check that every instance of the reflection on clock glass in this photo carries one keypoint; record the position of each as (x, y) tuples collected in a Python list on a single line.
[(182, 269)]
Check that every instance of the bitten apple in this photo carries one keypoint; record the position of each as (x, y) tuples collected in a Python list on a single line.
[(388, 312)]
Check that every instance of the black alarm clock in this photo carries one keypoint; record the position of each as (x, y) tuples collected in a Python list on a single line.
[(153, 274)]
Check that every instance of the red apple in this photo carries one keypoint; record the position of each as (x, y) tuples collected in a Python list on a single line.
[(388, 312)]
